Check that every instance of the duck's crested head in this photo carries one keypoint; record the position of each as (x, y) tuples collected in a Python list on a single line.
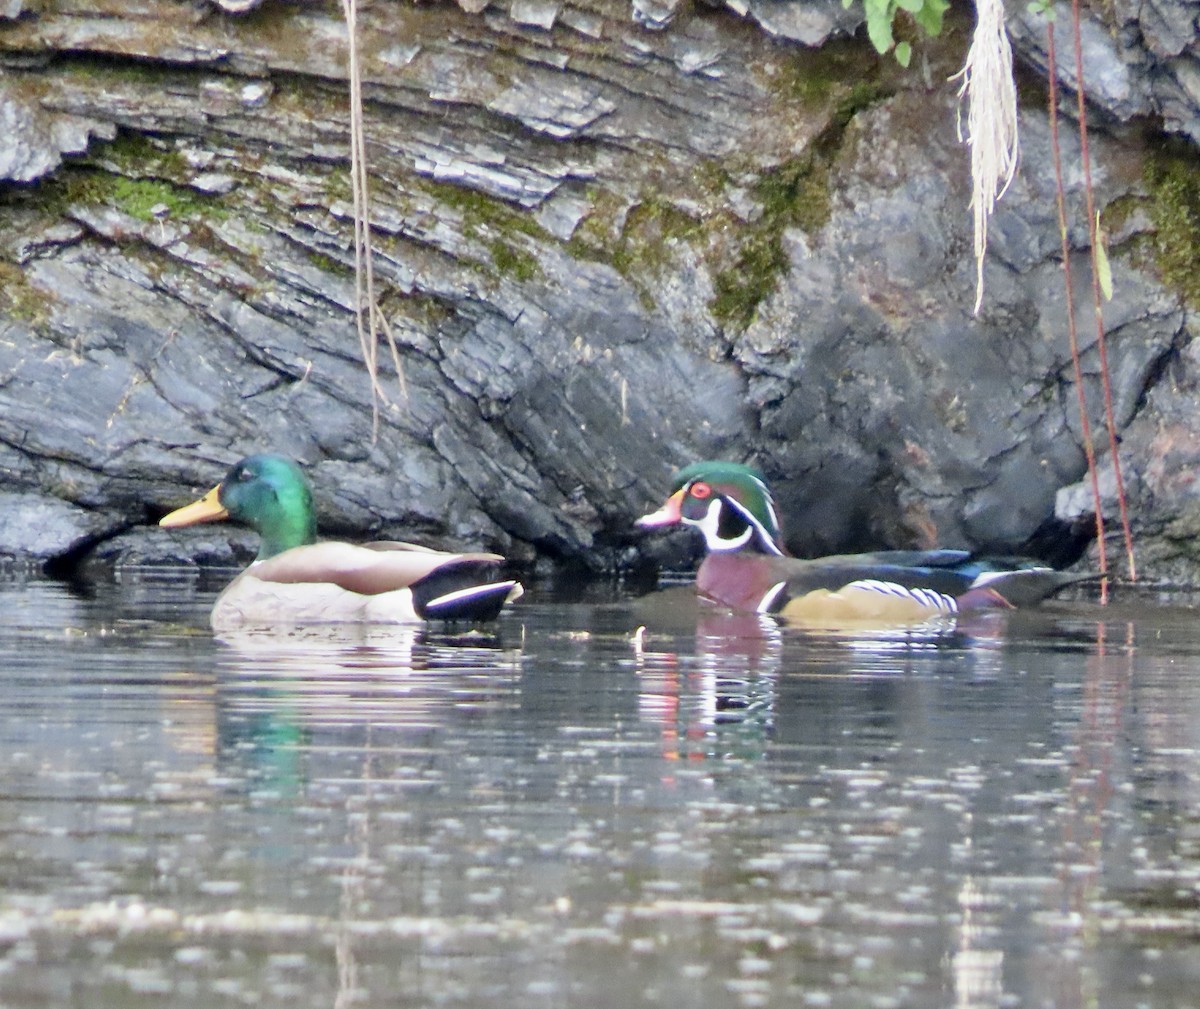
[(729, 502)]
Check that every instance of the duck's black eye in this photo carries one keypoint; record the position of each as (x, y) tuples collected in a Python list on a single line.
[(243, 475)]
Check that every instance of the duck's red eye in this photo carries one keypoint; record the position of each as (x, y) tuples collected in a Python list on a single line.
[(700, 491)]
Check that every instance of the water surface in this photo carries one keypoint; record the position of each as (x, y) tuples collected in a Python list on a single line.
[(726, 813)]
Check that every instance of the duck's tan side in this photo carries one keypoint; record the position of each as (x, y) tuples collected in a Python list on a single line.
[(864, 602)]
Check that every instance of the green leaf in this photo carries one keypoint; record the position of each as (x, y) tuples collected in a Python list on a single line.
[(903, 53), (929, 17), (1103, 266), (879, 30), (912, 6)]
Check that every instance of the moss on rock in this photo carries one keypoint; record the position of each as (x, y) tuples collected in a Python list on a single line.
[(835, 83), (1172, 175), (496, 224), (795, 194), (19, 299)]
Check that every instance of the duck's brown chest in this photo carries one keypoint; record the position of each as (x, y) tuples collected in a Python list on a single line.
[(739, 581)]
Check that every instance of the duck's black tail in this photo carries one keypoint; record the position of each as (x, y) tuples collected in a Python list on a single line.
[(1029, 586), (459, 591)]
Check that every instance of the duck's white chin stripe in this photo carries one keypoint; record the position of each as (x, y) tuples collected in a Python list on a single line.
[(768, 543), (711, 523)]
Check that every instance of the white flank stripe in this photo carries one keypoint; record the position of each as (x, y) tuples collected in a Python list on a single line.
[(987, 577), (767, 601), (468, 593)]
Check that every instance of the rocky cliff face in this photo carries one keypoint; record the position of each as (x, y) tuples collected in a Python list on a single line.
[(612, 238)]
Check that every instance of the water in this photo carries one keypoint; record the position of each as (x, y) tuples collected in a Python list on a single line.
[(730, 814)]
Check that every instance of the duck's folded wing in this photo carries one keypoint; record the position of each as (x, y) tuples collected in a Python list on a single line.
[(382, 546), (833, 574), (939, 558), (368, 570), (1023, 583)]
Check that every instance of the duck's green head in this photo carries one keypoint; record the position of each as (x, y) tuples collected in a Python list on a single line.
[(268, 493), (727, 501)]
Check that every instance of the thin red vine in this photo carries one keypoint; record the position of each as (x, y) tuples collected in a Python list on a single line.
[(1097, 296), (1072, 332)]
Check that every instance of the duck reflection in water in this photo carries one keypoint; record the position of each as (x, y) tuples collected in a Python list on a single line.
[(335, 686), (719, 682), (713, 690)]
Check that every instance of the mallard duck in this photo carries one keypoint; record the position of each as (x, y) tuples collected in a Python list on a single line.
[(747, 567), (295, 579)]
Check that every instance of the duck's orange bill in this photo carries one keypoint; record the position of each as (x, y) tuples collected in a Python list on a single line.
[(207, 509), (667, 515)]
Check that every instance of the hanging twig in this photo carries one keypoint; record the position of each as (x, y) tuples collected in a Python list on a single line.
[(370, 327), (1097, 294), (1072, 332), (987, 83)]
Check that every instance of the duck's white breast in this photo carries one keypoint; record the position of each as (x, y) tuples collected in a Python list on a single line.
[(251, 602)]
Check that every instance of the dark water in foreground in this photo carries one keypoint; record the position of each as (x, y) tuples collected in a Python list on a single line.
[(1007, 815)]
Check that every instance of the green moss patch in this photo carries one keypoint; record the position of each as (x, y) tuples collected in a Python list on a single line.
[(19, 299), (137, 197), (137, 154), (819, 77), (498, 225), (327, 264), (746, 258), (841, 80), (794, 195), (638, 240), (1172, 176)]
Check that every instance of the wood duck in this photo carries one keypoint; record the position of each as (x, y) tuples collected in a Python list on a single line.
[(747, 567), (296, 580)]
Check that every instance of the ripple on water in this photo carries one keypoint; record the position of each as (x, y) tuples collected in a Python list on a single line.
[(729, 813)]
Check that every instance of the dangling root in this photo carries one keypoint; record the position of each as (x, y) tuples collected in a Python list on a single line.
[(987, 83), (375, 323)]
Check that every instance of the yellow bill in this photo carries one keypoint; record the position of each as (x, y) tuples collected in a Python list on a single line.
[(207, 509)]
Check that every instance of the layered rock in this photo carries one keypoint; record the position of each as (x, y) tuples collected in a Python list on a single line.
[(611, 238)]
